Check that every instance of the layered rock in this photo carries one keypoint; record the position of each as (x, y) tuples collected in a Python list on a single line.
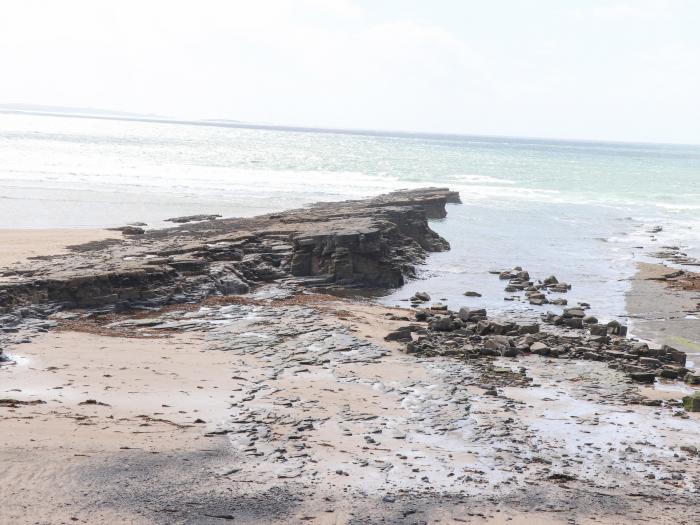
[(362, 243)]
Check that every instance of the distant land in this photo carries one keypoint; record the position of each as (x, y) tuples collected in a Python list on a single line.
[(105, 114), (68, 110)]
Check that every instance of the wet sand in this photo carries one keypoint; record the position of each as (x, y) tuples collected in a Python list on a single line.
[(662, 313), (313, 418), (19, 245)]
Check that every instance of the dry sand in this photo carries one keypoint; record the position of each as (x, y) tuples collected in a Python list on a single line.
[(150, 393), (18, 245)]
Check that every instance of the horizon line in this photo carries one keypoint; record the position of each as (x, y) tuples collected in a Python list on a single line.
[(112, 115)]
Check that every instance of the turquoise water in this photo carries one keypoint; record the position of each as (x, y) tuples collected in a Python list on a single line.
[(579, 210)]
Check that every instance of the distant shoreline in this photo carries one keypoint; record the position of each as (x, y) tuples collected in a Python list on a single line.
[(225, 123)]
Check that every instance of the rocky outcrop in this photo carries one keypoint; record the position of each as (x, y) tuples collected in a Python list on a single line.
[(470, 334), (362, 243)]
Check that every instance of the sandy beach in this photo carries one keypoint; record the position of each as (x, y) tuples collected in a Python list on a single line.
[(174, 425), (285, 405), (663, 313), (19, 245)]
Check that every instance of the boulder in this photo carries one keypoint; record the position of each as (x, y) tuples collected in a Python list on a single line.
[(573, 322), (502, 327), (539, 348), (598, 330), (499, 343), (574, 312), (692, 378), (232, 285), (510, 351), (560, 288), (692, 402), (443, 323), (674, 355), (467, 314), (421, 315), (420, 297), (650, 362), (400, 334), (615, 328), (532, 328), (643, 377), (668, 373)]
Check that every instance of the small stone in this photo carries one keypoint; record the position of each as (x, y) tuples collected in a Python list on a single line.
[(472, 294)]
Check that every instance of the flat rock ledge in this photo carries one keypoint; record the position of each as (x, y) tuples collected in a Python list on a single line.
[(372, 243)]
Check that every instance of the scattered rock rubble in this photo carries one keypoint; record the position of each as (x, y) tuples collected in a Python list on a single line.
[(535, 292), (470, 334)]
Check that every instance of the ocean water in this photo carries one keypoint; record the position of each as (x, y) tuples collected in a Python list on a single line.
[(578, 210)]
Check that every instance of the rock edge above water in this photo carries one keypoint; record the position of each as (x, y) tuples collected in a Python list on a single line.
[(373, 242)]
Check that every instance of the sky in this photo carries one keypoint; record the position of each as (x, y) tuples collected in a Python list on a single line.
[(589, 69)]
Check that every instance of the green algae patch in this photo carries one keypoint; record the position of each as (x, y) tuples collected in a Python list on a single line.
[(692, 402)]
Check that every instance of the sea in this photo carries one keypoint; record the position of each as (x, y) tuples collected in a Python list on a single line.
[(580, 210)]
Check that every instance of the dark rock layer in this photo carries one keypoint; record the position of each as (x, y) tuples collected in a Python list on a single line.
[(363, 243)]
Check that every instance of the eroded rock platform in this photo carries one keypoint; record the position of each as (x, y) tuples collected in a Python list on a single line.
[(362, 243)]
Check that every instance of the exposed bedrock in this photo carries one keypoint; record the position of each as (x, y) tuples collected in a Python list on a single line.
[(361, 243)]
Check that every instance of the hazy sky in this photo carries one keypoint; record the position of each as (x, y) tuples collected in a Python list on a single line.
[(621, 70)]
